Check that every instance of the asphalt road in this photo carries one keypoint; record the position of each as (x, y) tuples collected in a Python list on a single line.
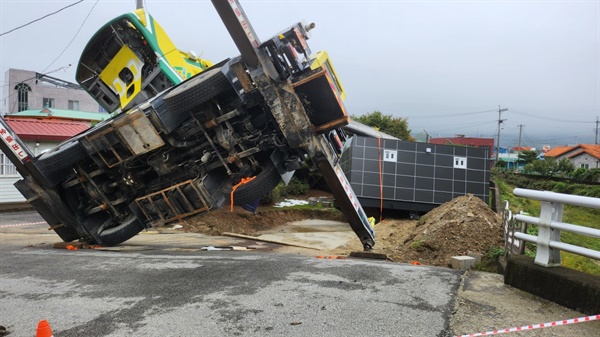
[(158, 292), (164, 285)]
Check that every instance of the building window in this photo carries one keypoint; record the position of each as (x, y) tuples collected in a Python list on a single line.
[(460, 162), (585, 166), (48, 102), (74, 105), (389, 155), (6, 167), (22, 96)]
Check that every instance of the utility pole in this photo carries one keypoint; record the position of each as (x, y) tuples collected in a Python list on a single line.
[(519, 148), (596, 133), (427, 136), (139, 4), (520, 131), (500, 120)]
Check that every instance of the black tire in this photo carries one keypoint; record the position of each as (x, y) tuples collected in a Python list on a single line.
[(53, 163), (121, 233), (264, 183), (196, 91)]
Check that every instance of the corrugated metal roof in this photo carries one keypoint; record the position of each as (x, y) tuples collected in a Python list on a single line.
[(60, 113), (40, 130)]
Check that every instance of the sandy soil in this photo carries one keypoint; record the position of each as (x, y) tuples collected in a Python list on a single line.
[(462, 225)]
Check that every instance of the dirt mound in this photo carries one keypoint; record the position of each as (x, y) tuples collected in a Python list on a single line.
[(465, 224), (241, 221)]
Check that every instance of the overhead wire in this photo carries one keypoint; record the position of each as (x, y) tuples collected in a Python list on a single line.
[(31, 79), (43, 72), (73, 39), (550, 118), (449, 115), (462, 126), (41, 18)]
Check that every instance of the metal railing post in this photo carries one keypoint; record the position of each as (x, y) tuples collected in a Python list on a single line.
[(547, 256)]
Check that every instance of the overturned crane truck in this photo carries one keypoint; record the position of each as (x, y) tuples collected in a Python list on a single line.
[(180, 146)]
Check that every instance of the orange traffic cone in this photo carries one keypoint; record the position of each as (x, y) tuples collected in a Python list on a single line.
[(43, 329)]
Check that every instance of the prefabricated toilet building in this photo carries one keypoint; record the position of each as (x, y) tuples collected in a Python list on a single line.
[(414, 176)]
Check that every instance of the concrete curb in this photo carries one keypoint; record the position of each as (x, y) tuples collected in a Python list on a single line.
[(570, 288)]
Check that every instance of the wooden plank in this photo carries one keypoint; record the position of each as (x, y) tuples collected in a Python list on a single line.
[(256, 238), (369, 255)]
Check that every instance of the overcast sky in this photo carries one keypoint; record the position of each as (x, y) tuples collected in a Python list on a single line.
[(446, 65)]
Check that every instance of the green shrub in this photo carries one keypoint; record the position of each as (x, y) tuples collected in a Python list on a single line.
[(297, 187), (495, 252), (273, 196)]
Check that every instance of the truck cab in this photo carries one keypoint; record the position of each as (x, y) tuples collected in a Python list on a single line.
[(131, 59)]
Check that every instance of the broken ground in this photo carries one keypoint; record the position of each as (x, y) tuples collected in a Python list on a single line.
[(465, 224)]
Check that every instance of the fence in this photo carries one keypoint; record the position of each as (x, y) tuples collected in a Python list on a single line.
[(550, 226)]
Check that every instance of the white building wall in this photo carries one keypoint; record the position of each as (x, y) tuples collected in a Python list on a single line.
[(39, 91), (8, 193), (8, 176), (585, 158)]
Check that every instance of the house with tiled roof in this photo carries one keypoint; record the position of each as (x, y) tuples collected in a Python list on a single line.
[(582, 155), (39, 135), (43, 111)]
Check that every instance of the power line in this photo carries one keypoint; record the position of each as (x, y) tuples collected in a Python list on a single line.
[(551, 118), (73, 39), (449, 115), (461, 127), (43, 17)]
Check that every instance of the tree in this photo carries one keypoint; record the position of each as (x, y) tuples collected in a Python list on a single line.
[(395, 126), (545, 167), (564, 167), (551, 167), (583, 175), (527, 156), (501, 164)]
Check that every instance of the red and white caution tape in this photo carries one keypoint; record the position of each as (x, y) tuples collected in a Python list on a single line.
[(535, 326), (23, 224)]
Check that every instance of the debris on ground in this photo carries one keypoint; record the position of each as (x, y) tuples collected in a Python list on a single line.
[(463, 225), (290, 203)]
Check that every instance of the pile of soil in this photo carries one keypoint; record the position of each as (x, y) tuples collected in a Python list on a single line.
[(465, 224), (241, 221)]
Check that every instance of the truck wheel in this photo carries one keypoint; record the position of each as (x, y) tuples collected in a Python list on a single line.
[(53, 163), (121, 233), (196, 91), (265, 182)]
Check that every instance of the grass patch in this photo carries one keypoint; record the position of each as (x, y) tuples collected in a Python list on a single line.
[(418, 245), (581, 263), (576, 215), (489, 261)]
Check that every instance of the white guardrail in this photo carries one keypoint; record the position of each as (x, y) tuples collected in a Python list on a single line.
[(550, 226)]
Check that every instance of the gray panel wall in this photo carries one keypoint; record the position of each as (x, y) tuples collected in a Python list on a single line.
[(416, 172)]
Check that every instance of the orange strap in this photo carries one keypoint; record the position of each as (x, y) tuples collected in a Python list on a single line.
[(242, 182)]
